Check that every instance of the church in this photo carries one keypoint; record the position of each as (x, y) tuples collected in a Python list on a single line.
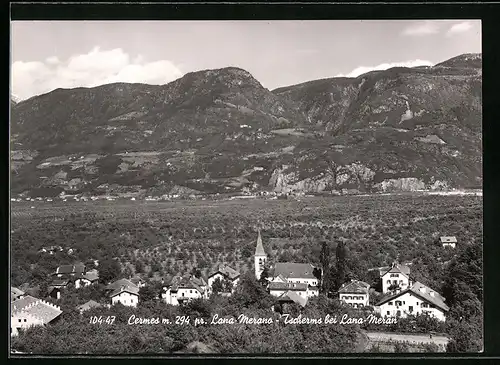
[(286, 279)]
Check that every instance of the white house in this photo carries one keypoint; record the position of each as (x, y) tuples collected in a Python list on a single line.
[(123, 291), (418, 299), (125, 295), (448, 241), (278, 289), (224, 272), (30, 311), (355, 293), (396, 275), (184, 289), (89, 278)]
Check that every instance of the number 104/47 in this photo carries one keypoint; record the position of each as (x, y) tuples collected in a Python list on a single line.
[(102, 320)]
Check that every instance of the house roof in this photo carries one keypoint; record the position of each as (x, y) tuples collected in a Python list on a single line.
[(125, 289), (226, 271), (136, 280), (65, 269), (79, 268), (288, 286), (259, 250), (355, 287), (119, 283), (398, 269), (293, 297), (59, 282), (15, 293), (423, 292), (294, 270), (186, 282), (448, 239), (91, 276), (89, 305), (35, 307)]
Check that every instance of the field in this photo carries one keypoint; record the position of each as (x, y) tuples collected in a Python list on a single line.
[(169, 237)]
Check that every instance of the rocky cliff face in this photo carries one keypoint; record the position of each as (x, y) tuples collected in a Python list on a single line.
[(220, 131)]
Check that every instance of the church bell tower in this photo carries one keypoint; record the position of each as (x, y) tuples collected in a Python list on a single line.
[(260, 257)]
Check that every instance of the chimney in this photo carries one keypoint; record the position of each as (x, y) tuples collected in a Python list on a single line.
[(431, 293)]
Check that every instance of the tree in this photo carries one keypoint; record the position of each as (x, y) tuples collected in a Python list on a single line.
[(147, 293), (263, 280), (341, 257), (196, 272), (109, 270), (217, 286), (324, 259), (393, 288)]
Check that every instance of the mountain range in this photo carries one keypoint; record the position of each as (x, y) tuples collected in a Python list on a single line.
[(221, 131)]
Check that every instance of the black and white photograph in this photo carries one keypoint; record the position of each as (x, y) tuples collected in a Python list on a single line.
[(246, 187)]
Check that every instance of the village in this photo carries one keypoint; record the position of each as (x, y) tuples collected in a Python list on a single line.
[(290, 282)]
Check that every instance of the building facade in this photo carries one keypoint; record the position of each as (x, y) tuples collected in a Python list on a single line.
[(355, 294), (418, 299), (30, 311), (398, 276)]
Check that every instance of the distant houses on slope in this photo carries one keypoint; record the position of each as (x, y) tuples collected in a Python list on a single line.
[(71, 275)]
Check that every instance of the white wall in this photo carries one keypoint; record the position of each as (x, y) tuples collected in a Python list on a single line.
[(259, 262), (389, 278), (170, 298), (22, 320), (355, 300), (409, 301), (189, 293), (125, 298)]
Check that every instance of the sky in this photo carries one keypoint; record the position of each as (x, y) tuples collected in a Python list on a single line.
[(47, 55)]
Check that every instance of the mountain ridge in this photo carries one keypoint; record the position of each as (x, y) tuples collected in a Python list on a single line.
[(221, 131)]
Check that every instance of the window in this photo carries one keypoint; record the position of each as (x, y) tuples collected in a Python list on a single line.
[(398, 313), (190, 292), (388, 281), (19, 320), (182, 294), (388, 313), (25, 320), (401, 281), (394, 276), (390, 303), (410, 308)]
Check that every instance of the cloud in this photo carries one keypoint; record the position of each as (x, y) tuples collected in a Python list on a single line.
[(384, 66), (422, 29), (459, 28), (95, 68)]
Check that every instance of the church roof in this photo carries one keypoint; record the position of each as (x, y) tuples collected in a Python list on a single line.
[(259, 250), (294, 270)]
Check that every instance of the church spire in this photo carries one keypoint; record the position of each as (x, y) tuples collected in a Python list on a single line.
[(259, 250)]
